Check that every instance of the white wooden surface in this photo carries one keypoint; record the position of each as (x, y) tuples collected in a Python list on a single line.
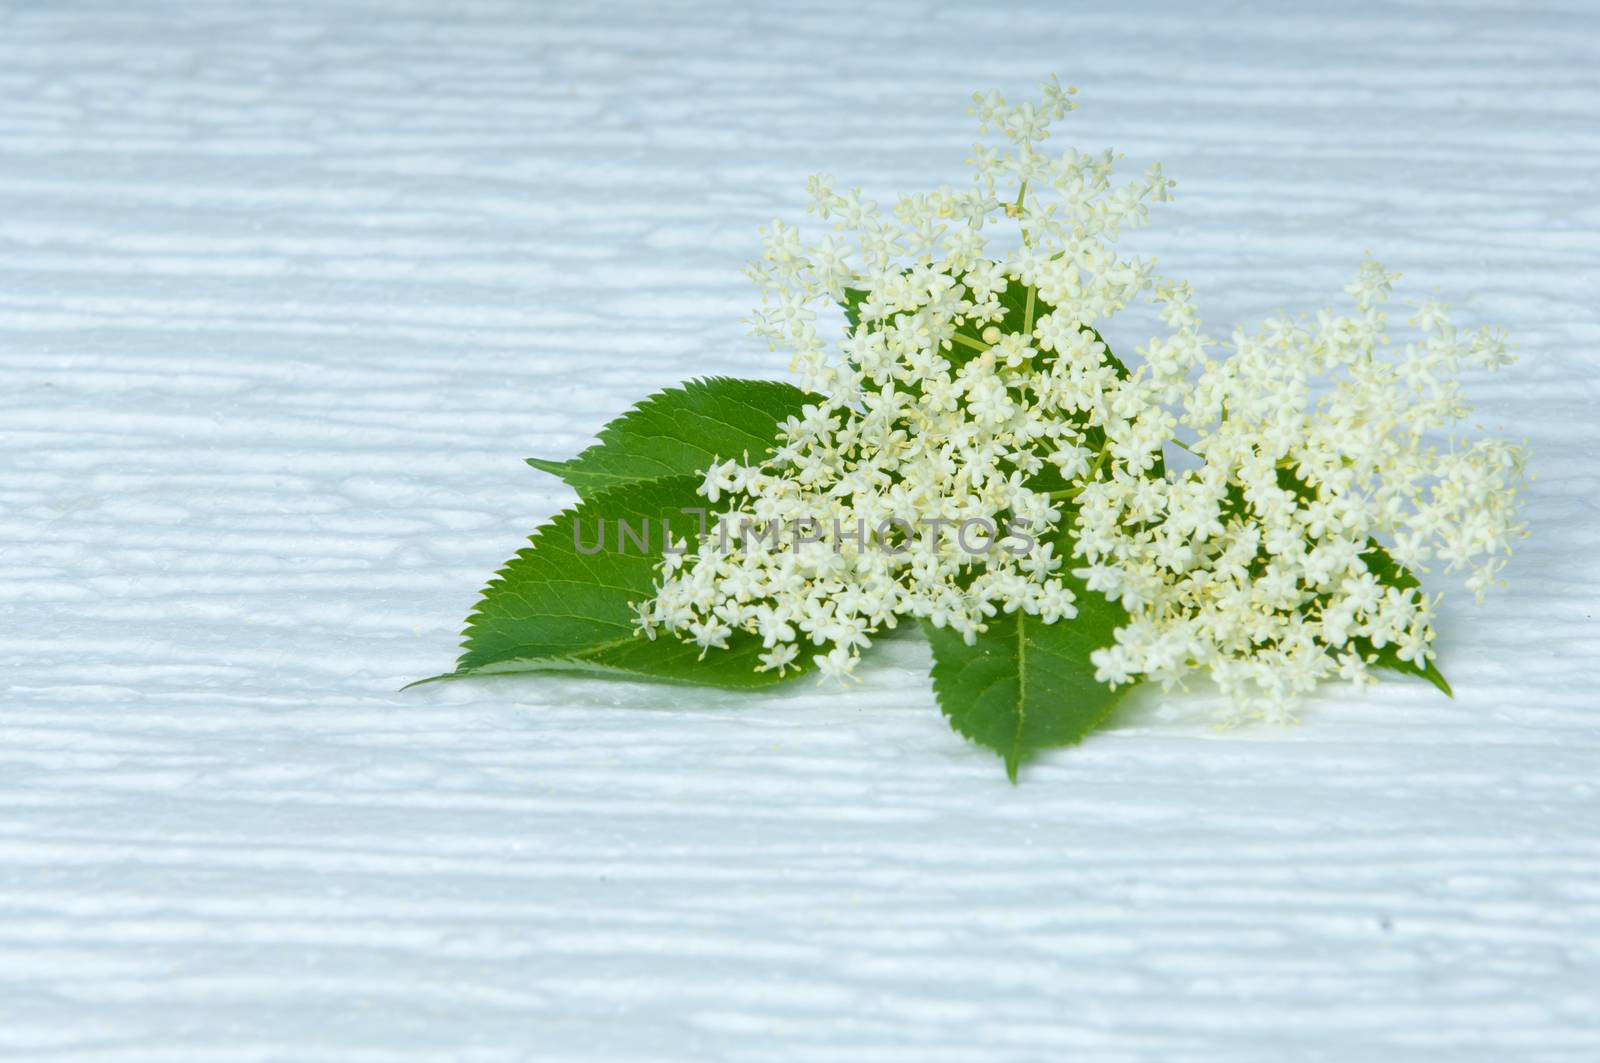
[(289, 289)]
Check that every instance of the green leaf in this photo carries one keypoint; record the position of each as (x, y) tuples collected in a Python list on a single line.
[(1025, 685), (555, 606), (853, 298), (1391, 573), (681, 431)]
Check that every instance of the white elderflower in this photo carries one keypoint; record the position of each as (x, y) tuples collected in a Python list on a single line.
[(955, 393), (1323, 469), (977, 447)]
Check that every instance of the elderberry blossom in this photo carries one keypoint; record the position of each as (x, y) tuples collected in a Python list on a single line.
[(975, 448), (1330, 463), (954, 421)]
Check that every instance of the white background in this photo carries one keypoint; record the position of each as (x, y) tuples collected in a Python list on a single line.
[(289, 289)]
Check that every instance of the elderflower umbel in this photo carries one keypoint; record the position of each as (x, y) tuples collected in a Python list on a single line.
[(1328, 461), (971, 388), (964, 396)]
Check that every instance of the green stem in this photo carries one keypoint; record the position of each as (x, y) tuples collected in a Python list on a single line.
[(1027, 313), (1094, 470), (1016, 212)]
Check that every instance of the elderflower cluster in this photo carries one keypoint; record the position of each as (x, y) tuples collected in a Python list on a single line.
[(972, 388), (965, 394), (1327, 460)]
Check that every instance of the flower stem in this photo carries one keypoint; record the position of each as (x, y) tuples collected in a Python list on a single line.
[(1099, 460), (1015, 210)]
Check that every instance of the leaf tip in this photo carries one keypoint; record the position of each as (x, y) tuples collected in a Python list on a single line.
[(431, 679), (554, 468)]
